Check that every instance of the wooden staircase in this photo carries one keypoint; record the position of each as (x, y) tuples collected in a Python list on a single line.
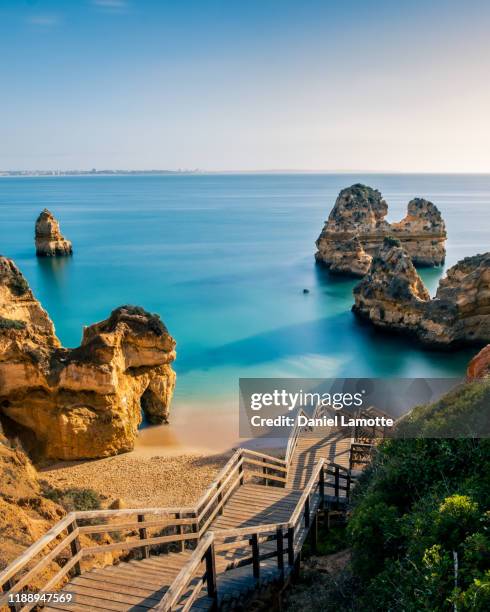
[(247, 530)]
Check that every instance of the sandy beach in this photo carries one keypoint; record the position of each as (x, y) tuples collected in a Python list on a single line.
[(140, 481)]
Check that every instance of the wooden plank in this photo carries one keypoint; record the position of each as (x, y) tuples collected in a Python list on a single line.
[(99, 514), (96, 550), (164, 522), (105, 604), (126, 598), (265, 464), (119, 585), (249, 451), (269, 476), (147, 579)]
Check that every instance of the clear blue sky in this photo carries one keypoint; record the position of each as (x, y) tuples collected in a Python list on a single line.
[(245, 84)]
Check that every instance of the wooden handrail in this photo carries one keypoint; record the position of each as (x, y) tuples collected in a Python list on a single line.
[(185, 576), (206, 508), (311, 484), (36, 548)]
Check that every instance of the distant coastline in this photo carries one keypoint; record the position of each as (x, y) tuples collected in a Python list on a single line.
[(201, 172)]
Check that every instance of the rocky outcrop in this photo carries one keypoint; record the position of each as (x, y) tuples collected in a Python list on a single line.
[(393, 296), (479, 366), (49, 239), (88, 401), (356, 227)]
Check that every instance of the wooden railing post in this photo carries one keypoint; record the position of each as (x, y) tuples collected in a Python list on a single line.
[(240, 471), (337, 482), (291, 545), (143, 533), (220, 497), (307, 512), (280, 550), (348, 484), (322, 488), (255, 556), (74, 547), (264, 471), (314, 533), (13, 607), (178, 515), (211, 574)]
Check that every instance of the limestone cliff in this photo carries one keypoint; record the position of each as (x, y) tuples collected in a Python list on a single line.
[(48, 237), (88, 401), (393, 296), (479, 366), (356, 227)]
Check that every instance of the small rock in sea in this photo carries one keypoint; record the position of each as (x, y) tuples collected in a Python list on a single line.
[(306, 291), (50, 242)]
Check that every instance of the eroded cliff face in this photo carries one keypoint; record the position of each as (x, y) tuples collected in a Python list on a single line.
[(356, 227), (479, 366), (393, 296), (48, 237), (85, 402)]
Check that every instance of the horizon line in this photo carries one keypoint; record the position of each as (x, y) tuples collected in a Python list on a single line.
[(115, 171)]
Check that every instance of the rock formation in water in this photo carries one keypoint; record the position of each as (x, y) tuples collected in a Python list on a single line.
[(49, 239), (88, 401), (479, 366), (355, 229), (393, 296)]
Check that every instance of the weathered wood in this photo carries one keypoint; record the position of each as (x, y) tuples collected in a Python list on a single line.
[(143, 533), (291, 545), (280, 550), (211, 582), (264, 464), (314, 533), (174, 593), (270, 476), (136, 524), (218, 495), (270, 458), (255, 556), (74, 546), (95, 550)]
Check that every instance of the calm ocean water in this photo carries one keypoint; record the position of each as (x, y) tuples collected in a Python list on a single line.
[(224, 260)]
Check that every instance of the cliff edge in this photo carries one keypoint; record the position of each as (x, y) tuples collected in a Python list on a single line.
[(85, 402)]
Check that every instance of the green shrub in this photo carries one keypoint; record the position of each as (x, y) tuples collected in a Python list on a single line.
[(74, 498), (420, 521), (11, 324)]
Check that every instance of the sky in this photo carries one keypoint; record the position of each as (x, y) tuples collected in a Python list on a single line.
[(222, 85)]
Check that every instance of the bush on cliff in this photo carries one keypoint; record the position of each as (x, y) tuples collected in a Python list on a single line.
[(420, 526)]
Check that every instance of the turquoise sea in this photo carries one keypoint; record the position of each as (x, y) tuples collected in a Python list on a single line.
[(224, 260)]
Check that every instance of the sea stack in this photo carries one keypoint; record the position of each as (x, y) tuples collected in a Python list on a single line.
[(85, 402), (393, 296), (356, 227), (49, 239)]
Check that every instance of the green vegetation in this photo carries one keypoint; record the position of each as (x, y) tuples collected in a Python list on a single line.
[(74, 499), (390, 241), (420, 527), (18, 285), (11, 324)]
